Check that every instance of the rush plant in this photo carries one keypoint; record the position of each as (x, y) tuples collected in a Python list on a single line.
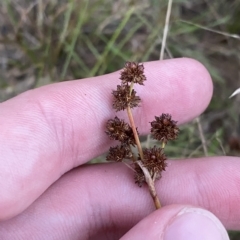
[(150, 162)]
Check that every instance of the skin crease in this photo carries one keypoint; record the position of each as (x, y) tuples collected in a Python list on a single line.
[(48, 131)]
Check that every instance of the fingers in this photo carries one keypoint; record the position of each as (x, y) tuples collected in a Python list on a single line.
[(102, 200), (48, 131), (178, 222)]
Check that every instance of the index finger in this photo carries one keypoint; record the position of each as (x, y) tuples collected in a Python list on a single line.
[(48, 131)]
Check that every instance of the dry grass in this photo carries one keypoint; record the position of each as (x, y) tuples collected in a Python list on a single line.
[(45, 41)]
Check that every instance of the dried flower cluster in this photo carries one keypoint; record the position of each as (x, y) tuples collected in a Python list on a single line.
[(119, 130), (123, 99), (133, 73), (163, 129)]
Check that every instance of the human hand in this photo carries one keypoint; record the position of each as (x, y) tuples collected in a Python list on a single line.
[(47, 132)]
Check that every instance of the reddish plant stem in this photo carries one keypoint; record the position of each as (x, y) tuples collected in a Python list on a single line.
[(148, 178), (132, 124)]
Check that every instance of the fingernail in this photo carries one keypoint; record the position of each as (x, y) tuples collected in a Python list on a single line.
[(195, 224)]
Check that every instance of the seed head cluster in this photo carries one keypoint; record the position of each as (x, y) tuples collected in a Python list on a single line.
[(119, 153), (154, 160), (133, 73), (119, 130), (123, 99), (163, 128)]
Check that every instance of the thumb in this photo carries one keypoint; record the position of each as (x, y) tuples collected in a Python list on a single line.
[(176, 222)]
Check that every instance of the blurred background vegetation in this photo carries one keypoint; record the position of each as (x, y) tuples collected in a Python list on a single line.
[(45, 41)]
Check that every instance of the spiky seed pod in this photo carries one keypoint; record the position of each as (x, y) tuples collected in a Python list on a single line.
[(138, 175), (164, 128), (119, 130), (119, 153), (133, 73), (154, 161), (123, 99)]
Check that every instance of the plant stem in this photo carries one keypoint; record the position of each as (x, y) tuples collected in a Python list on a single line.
[(165, 31), (148, 178), (151, 185), (133, 126), (131, 88), (132, 123)]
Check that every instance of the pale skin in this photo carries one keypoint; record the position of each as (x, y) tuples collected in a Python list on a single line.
[(47, 132)]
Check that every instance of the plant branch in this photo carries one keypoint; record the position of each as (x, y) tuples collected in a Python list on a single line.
[(150, 184), (132, 123), (148, 178), (133, 126)]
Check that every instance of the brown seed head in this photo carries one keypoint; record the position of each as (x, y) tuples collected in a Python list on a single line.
[(119, 130), (139, 175), (133, 73), (154, 161), (123, 99), (118, 153), (164, 128)]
